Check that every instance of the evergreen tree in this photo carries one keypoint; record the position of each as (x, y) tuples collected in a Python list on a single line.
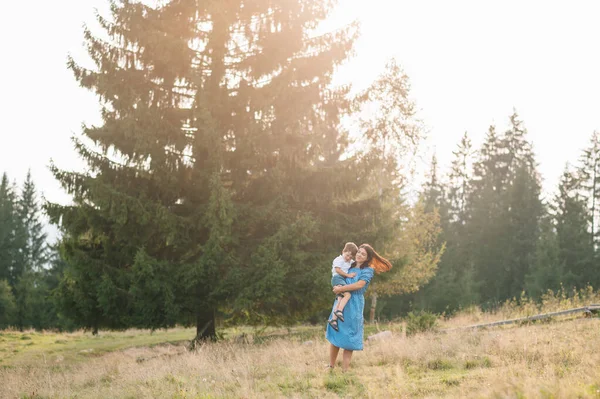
[(506, 212), (7, 305), (30, 235), (589, 187), (564, 253), (48, 313), (487, 224), (575, 249), (457, 259), (216, 177), (453, 286), (7, 230), (547, 272), (24, 292), (589, 182), (523, 204), (30, 258), (41, 310), (460, 180), (433, 195)]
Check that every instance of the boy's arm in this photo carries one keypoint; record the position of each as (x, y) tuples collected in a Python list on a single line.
[(342, 273)]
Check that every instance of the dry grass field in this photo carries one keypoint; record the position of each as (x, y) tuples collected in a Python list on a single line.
[(559, 358)]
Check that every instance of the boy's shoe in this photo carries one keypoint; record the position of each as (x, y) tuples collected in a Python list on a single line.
[(334, 324), (340, 315)]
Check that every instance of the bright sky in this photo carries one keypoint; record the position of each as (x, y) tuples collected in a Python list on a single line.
[(470, 63)]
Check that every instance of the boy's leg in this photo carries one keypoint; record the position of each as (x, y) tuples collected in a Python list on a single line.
[(338, 298), (343, 301)]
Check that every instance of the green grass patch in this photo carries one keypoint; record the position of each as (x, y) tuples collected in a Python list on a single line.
[(337, 383), (36, 348), (344, 385), (297, 385), (594, 390), (299, 334), (484, 362), (451, 382), (440, 364)]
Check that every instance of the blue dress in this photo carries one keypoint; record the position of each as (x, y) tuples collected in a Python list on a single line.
[(350, 334)]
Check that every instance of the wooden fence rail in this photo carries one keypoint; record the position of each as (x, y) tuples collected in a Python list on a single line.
[(588, 310)]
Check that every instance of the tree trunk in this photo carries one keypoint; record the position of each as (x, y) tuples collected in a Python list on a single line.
[(205, 326), (373, 307)]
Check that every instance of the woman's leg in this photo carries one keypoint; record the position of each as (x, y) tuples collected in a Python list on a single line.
[(346, 359), (333, 354)]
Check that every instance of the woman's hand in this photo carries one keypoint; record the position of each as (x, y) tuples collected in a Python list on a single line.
[(338, 289)]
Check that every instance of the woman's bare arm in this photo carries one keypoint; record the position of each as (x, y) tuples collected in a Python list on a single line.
[(350, 287)]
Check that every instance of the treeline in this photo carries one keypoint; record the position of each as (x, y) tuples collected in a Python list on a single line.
[(221, 183), (29, 268), (502, 237)]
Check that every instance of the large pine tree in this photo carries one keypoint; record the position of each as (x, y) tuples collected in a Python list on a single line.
[(215, 179)]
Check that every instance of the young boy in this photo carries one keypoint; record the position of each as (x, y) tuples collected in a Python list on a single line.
[(339, 271)]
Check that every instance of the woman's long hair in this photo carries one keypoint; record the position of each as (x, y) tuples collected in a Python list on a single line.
[(374, 260)]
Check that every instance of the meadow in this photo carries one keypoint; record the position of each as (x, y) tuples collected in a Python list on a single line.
[(556, 358)]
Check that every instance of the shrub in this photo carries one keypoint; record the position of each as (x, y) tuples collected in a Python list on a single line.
[(420, 322)]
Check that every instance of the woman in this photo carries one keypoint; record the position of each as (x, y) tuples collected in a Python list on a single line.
[(350, 331)]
